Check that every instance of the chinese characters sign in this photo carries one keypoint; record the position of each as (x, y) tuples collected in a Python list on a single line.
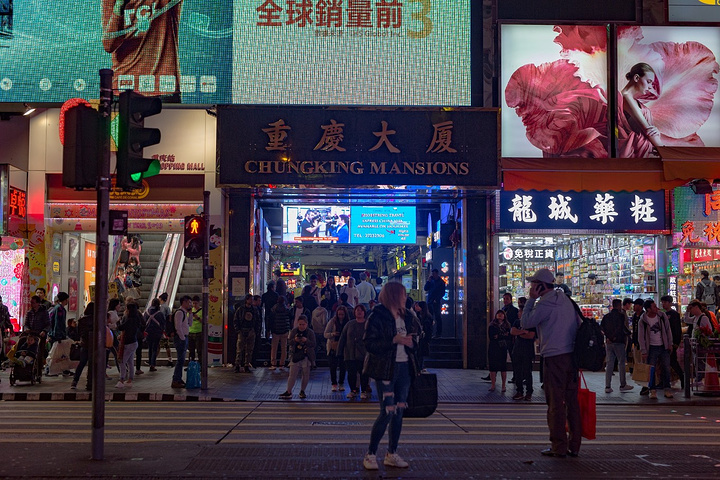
[(535, 253), (696, 219), (351, 147), (582, 210), (17, 203)]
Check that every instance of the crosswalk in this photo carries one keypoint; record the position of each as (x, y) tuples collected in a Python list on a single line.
[(248, 423)]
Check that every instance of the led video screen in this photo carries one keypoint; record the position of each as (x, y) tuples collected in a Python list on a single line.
[(385, 52), (554, 84), (386, 225), (316, 224), (667, 81)]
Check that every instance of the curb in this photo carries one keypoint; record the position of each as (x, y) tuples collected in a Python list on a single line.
[(111, 397)]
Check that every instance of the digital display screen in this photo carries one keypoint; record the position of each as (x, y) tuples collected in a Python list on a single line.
[(386, 225), (316, 224), (667, 80), (415, 52)]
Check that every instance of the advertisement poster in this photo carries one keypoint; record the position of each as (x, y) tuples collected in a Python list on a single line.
[(553, 85), (89, 272), (412, 52), (73, 294), (667, 81)]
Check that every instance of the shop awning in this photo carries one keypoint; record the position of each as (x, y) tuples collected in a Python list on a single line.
[(689, 163), (586, 174)]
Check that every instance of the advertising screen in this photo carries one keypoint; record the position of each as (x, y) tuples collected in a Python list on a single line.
[(706, 11), (389, 225), (667, 82), (316, 224), (554, 84), (415, 52)]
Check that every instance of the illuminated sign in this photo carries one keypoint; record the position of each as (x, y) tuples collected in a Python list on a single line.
[(17, 203), (528, 253), (240, 51), (640, 211), (696, 218)]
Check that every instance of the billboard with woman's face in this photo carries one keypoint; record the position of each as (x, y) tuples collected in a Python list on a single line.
[(667, 81), (554, 84)]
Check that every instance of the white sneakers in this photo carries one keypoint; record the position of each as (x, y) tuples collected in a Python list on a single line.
[(370, 462), (394, 460), (391, 460)]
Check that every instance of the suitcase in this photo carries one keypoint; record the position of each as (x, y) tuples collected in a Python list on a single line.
[(422, 397)]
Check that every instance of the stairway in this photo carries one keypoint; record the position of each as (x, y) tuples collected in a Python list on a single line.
[(444, 353), (191, 281), (152, 246)]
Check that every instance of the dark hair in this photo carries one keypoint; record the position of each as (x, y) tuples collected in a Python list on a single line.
[(378, 281), (361, 307), (184, 298), (507, 294), (434, 270), (163, 297), (409, 302), (626, 301), (113, 303), (131, 310), (41, 289), (35, 298), (89, 309), (300, 299), (345, 218), (306, 289), (424, 311), (343, 297), (639, 69), (344, 309), (313, 277), (639, 301), (196, 298), (155, 303), (666, 298), (648, 303), (302, 317), (281, 300), (325, 303), (521, 302), (617, 303), (704, 273)]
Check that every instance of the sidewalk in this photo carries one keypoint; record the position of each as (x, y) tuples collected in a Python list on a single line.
[(454, 386)]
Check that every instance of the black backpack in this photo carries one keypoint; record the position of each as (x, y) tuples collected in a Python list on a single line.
[(589, 343), (170, 329)]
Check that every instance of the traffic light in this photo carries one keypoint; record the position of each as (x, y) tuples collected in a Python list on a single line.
[(195, 235), (133, 137), (81, 147)]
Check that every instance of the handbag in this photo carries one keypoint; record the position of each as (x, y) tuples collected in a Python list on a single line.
[(641, 373), (588, 413), (422, 397), (75, 350)]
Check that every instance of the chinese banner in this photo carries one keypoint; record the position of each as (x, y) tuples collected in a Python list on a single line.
[(696, 219), (617, 211), (352, 147)]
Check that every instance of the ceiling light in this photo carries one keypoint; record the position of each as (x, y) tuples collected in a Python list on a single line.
[(28, 110)]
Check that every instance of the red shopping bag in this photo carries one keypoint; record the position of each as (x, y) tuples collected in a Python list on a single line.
[(588, 413)]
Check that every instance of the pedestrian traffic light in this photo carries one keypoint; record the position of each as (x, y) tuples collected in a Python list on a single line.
[(81, 147), (195, 235), (133, 137)]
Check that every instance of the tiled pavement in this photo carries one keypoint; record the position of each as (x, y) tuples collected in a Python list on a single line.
[(454, 386)]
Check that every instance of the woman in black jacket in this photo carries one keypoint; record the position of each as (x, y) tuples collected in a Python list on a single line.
[(391, 340), (85, 329), (154, 328), (130, 326)]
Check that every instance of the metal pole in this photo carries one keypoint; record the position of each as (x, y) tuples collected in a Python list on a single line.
[(687, 360), (101, 276), (206, 293)]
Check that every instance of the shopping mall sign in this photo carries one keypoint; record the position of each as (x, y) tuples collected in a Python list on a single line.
[(616, 211), (696, 218), (343, 147)]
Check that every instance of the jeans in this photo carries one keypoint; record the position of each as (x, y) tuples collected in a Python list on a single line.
[(655, 354), (127, 363), (393, 400), (561, 395), (153, 349), (335, 363), (282, 339), (84, 357), (180, 349), (354, 368), (295, 368), (615, 351)]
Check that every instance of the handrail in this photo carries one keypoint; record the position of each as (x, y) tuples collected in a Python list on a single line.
[(169, 269)]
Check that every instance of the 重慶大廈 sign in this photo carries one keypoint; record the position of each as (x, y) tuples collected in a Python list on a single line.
[(626, 211), (352, 147)]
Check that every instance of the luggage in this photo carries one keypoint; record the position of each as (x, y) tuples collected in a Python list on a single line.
[(423, 396), (193, 375)]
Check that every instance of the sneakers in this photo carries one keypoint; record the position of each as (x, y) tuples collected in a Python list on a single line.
[(528, 397), (271, 368), (139, 372), (179, 384), (653, 394), (518, 396), (153, 369), (370, 462), (364, 396), (334, 388), (341, 388), (352, 394), (644, 391), (303, 394), (668, 393), (237, 369), (119, 385), (626, 388), (394, 460), (608, 390), (73, 386), (286, 395)]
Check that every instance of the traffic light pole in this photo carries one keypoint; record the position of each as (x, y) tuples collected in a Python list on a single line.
[(101, 276), (206, 292)]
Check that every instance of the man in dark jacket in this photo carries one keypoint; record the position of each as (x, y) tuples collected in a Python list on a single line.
[(435, 288), (247, 324), (269, 300), (676, 329), (616, 333)]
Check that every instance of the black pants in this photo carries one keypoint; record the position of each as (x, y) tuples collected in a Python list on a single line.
[(437, 316), (522, 371), (195, 345), (138, 355), (675, 365), (334, 365), (354, 367)]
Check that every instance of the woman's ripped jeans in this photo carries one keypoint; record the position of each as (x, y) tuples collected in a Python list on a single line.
[(393, 400)]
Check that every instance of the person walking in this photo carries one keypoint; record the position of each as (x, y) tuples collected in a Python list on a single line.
[(552, 313), (614, 326), (499, 334), (85, 329), (302, 342), (352, 292), (182, 319), (352, 350), (130, 326), (366, 292), (155, 327), (391, 341), (332, 333)]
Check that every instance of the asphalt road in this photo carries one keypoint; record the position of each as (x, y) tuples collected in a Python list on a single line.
[(327, 440)]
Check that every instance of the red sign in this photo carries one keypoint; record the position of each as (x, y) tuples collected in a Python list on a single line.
[(17, 204)]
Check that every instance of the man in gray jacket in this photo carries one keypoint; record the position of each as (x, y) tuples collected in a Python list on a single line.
[(552, 313)]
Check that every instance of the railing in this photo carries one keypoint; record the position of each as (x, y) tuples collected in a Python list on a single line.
[(169, 269)]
